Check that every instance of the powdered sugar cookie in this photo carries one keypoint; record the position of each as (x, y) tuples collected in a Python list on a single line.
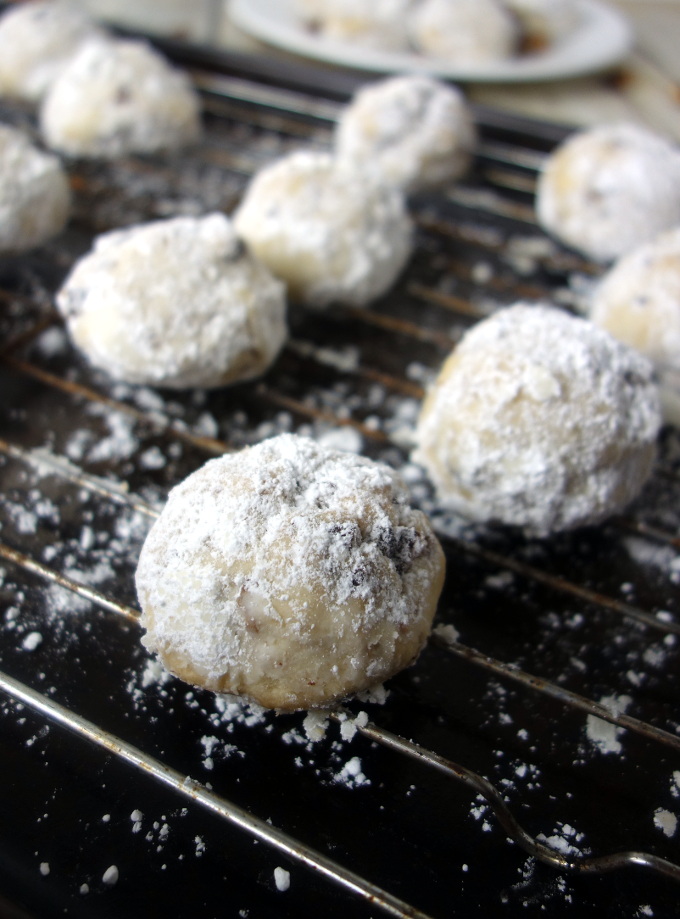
[(37, 39), (175, 303), (544, 22), (380, 24), (608, 189), (415, 131), (35, 196), (119, 97), (332, 234), (464, 31), (540, 420), (290, 574), (638, 300)]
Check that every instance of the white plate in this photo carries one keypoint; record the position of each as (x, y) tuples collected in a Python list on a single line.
[(601, 39)]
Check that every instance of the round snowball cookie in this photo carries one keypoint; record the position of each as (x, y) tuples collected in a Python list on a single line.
[(289, 573), (119, 97), (379, 25), (176, 303), (417, 132), (465, 32), (638, 300), (544, 22), (332, 234), (539, 420), (608, 189), (37, 39), (35, 196)]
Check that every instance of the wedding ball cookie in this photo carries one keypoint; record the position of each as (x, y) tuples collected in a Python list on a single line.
[(544, 22), (119, 97), (291, 574), (332, 234), (379, 25), (176, 303), (638, 300), (37, 39), (415, 131), (540, 420), (35, 196), (464, 31), (608, 189)]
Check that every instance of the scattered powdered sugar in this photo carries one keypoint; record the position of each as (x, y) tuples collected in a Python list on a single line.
[(44, 868), (665, 821), (350, 725), (352, 775), (565, 840), (214, 748), (31, 641), (602, 734), (281, 879), (315, 726), (447, 633), (111, 875)]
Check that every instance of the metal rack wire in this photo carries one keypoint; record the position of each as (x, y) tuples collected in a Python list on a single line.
[(538, 645)]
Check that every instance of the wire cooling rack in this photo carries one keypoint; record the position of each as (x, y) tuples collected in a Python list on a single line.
[(529, 761)]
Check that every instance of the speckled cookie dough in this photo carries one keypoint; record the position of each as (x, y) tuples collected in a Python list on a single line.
[(119, 97), (638, 300), (379, 25), (540, 420), (289, 573), (176, 303), (467, 32), (331, 234), (545, 22), (35, 196), (608, 189), (415, 131), (37, 39)]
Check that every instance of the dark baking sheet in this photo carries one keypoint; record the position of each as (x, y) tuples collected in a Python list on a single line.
[(545, 629)]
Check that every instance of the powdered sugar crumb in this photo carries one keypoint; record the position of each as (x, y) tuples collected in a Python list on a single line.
[(315, 725), (351, 774), (31, 641), (603, 734), (111, 875), (282, 879), (665, 821), (447, 633)]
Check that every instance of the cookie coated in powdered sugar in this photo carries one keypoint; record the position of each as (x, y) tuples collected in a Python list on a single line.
[(176, 303), (545, 21), (638, 300), (466, 32), (415, 131), (289, 573), (37, 39), (540, 420), (332, 234), (35, 196), (379, 25), (119, 97), (608, 189)]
